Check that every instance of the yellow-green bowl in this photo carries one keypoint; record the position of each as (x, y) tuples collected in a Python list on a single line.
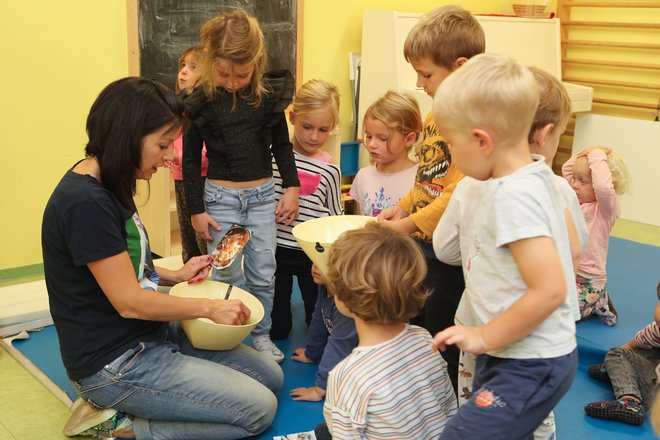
[(316, 236), (205, 334)]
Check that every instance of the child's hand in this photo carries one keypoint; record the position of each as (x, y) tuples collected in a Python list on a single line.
[(586, 151), (299, 355), (468, 339), (392, 213), (201, 223), (405, 225), (317, 276), (311, 394), (287, 208)]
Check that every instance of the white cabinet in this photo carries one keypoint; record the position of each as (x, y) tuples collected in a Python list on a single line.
[(534, 42), (156, 204)]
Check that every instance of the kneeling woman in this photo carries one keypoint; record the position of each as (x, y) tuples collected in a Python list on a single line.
[(120, 341)]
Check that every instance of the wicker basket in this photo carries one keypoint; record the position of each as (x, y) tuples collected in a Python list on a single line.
[(530, 10)]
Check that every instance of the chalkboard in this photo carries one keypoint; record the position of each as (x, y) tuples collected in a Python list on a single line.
[(168, 27)]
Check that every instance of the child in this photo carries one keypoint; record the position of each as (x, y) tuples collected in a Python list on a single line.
[(597, 175), (516, 312), (441, 42), (391, 126), (376, 275), (191, 244), (631, 369), (238, 111), (330, 338), (549, 122), (314, 115)]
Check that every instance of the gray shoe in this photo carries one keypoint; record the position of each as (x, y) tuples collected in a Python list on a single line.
[(85, 417), (263, 344)]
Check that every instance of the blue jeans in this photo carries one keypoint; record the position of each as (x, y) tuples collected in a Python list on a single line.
[(253, 208), (175, 391)]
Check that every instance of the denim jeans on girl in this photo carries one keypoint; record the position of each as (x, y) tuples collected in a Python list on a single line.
[(253, 208), (175, 391)]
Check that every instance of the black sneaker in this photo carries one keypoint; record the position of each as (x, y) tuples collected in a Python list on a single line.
[(627, 411)]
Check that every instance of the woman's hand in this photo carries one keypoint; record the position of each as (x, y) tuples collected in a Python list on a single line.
[(311, 394), (230, 312), (287, 208), (300, 356), (201, 223), (195, 270)]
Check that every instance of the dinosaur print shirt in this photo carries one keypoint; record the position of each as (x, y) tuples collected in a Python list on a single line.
[(436, 179)]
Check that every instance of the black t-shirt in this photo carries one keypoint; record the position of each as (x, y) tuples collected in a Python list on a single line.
[(82, 223)]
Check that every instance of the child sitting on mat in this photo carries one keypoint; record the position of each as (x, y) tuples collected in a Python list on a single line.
[(376, 275), (631, 369), (330, 338)]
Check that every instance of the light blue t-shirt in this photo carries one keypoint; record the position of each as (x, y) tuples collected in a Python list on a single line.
[(500, 211)]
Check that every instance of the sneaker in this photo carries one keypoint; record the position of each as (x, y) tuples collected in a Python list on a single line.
[(263, 344), (91, 421), (598, 371), (627, 410)]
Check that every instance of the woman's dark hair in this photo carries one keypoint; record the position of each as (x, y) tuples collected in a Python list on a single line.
[(124, 113)]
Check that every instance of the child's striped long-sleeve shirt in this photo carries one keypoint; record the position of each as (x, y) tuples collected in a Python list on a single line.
[(397, 389)]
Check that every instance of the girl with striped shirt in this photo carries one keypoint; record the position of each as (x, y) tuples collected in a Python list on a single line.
[(314, 115)]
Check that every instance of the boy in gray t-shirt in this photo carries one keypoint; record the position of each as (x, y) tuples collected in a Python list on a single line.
[(515, 313)]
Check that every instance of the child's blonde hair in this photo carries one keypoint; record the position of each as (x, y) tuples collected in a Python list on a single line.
[(316, 95), (491, 92), (397, 111), (554, 104), (235, 37), (197, 50), (444, 35), (378, 274), (620, 175)]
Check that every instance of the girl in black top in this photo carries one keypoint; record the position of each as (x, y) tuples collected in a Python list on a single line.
[(238, 112)]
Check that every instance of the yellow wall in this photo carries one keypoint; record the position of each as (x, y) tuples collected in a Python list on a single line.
[(59, 55)]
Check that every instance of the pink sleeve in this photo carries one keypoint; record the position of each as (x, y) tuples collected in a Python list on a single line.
[(567, 168), (601, 179), (175, 168), (205, 161)]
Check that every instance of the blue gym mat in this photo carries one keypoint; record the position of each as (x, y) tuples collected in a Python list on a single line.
[(633, 274)]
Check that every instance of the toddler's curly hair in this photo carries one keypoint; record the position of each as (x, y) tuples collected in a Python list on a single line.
[(378, 274), (620, 174)]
